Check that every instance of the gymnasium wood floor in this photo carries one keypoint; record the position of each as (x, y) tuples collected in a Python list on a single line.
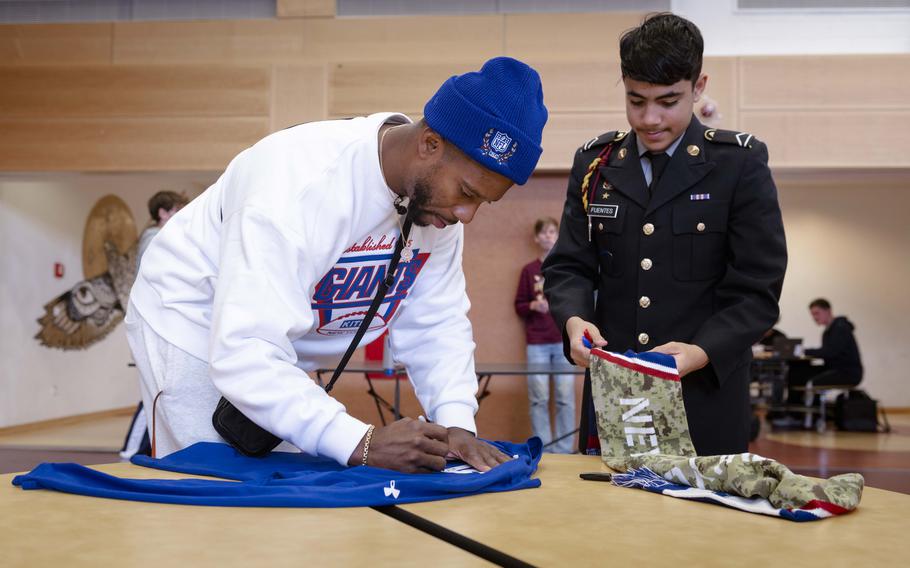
[(883, 459)]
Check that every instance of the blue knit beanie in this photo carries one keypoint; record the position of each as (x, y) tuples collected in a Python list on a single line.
[(495, 116)]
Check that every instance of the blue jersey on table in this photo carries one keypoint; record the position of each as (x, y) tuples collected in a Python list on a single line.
[(284, 479)]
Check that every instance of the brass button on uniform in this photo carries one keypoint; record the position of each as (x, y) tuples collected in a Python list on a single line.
[(643, 338), (700, 227), (646, 264), (644, 301), (648, 228)]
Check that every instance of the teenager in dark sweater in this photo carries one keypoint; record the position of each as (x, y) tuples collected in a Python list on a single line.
[(839, 348), (839, 351)]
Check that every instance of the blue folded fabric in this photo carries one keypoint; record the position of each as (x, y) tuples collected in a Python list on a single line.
[(284, 479), (653, 357)]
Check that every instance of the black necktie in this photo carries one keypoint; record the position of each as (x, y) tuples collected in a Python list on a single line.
[(659, 161)]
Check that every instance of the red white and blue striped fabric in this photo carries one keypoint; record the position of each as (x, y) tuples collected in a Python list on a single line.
[(644, 478), (658, 365)]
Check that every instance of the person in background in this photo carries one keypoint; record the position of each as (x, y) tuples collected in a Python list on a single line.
[(843, 366), (839, 349), (544, 346), (162, 206)]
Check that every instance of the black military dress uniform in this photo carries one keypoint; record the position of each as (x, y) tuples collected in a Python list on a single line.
[(700, 258)]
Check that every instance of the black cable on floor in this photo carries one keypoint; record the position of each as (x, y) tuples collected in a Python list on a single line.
[(456, 539)]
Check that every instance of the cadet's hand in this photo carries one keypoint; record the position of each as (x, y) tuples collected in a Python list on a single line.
[(407, 445), (688, 357), (541, 306), (479, 455), (575, 329)]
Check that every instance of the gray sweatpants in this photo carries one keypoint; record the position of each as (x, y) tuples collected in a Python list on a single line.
[(186, 396)]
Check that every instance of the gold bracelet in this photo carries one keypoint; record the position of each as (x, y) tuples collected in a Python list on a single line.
[(366, 444)]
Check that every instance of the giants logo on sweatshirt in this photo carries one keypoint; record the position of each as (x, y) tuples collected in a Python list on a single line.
[(343, 296)]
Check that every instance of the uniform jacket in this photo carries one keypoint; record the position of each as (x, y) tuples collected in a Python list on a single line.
[(701, 261)]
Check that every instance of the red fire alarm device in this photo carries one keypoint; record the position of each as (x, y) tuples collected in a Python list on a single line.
[(58, 270)]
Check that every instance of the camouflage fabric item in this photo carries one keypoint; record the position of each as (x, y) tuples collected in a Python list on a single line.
[(639, 405), (749, 475)]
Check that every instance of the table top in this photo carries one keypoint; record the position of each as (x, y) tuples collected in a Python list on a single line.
[(768, 357), (569, 521), (527, 369), (47, 528)]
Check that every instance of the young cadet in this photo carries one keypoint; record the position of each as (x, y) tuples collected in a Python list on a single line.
[(677, 229), (269, 272)]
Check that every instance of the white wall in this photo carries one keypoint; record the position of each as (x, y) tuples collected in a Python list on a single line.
[(848, 239), (42, 218), (728, 31)]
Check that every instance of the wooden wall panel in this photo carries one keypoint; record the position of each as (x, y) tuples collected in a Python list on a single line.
[(112, 91), (364, 88), (305, 8), (359, 88), (286, 71), (126, 144), (432, 39), (565, 132), (723, 89), (567, 37), (225, 41), (832, 139), (582, 86), (356, 89), (298, 95), (826, 82), (498, 243), (55, 44)]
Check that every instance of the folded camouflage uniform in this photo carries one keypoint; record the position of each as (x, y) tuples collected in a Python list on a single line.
[(639, 405), (757, 484)]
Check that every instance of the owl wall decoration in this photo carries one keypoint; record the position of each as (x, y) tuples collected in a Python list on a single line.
[(93, 307)]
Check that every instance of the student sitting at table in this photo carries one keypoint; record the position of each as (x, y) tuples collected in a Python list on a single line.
[(842, 367)]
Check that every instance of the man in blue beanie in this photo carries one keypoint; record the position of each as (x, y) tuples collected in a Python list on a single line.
[(270, 273)]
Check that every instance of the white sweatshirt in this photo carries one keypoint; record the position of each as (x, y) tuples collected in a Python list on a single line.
[(267, 275)]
